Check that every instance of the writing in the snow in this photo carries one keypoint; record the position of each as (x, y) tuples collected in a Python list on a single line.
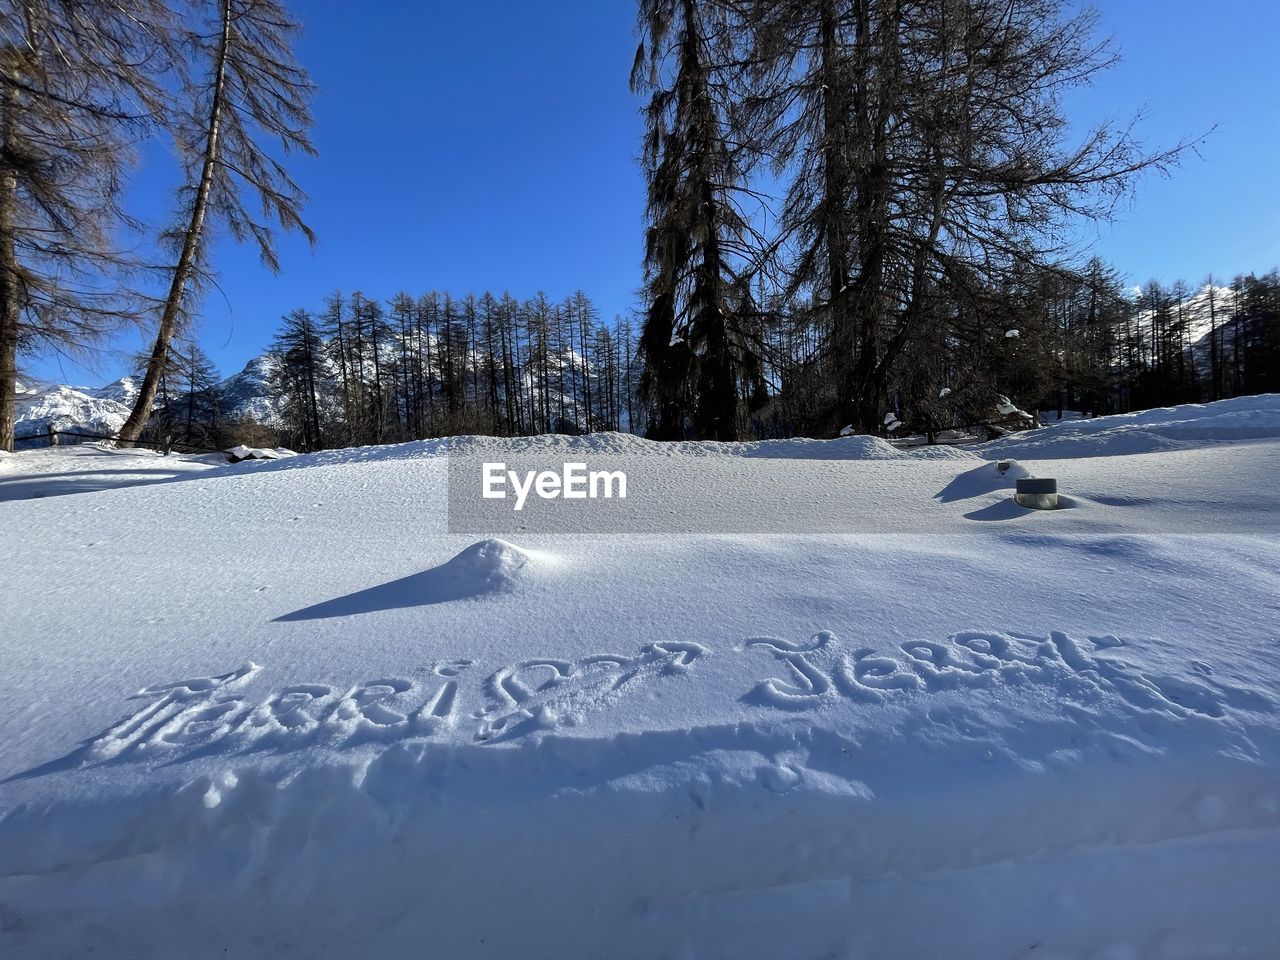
[(215, 715)]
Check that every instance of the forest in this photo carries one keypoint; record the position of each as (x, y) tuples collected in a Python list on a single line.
[(861, 217), (356, 372)]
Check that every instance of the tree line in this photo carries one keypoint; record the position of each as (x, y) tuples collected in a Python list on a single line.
[(1086, 341), (860, 213), (360, 371)]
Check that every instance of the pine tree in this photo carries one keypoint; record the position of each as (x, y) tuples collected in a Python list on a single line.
[(251, 92), (77, 89), (201, 399), (300, 352), (697, 347)]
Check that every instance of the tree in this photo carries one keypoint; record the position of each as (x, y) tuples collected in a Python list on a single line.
[(200, 403), (299, 376), (800, 112), (76, 90), (408, 364), (697, 344), (332, 328), (253, 92), (931, 156)]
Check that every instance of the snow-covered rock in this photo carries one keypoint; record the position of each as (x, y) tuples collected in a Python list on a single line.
[(242, 452), (1007, 408)]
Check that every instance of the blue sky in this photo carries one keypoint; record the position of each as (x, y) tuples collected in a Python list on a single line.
[(492, 146)]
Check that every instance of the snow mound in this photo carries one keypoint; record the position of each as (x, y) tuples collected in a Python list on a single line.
[(492, 561), (852, 447), (243, 452), (487, 567)]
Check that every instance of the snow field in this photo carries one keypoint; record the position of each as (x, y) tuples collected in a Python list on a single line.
[(278, 709)]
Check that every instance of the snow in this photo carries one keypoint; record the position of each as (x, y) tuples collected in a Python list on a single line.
[(242, 452), (86, 467), (1188, 427), (249, 394), (124, 390), (873, 709), (101, 412), (1006, 407)]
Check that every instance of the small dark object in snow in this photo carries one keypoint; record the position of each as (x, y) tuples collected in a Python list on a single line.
[(1038, 493)]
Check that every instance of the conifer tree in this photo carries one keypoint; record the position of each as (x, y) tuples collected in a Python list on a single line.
[(246, 93), (699, 356), (77, 90)]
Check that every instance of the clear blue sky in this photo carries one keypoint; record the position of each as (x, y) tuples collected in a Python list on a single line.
[(474, 146)]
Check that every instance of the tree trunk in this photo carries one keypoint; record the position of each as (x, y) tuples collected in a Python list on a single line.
[(9, 311), (10, 285), (836, 189), (190, 247), (863, 392)]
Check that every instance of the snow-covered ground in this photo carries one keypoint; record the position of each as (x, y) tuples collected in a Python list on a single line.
[(83, 468), (869, 709)]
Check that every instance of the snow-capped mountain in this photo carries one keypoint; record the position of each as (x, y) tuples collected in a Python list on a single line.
[(1209, 308), (248, 395), (100, 411)]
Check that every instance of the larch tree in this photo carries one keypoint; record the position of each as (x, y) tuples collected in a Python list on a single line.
[(298, 374), (982, 178), (247, 93), (77, 90), (927, 158), (201, 399), (798, 112), (698, 349)]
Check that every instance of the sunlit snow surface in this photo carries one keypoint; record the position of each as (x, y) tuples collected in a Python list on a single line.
[(276, 709)]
